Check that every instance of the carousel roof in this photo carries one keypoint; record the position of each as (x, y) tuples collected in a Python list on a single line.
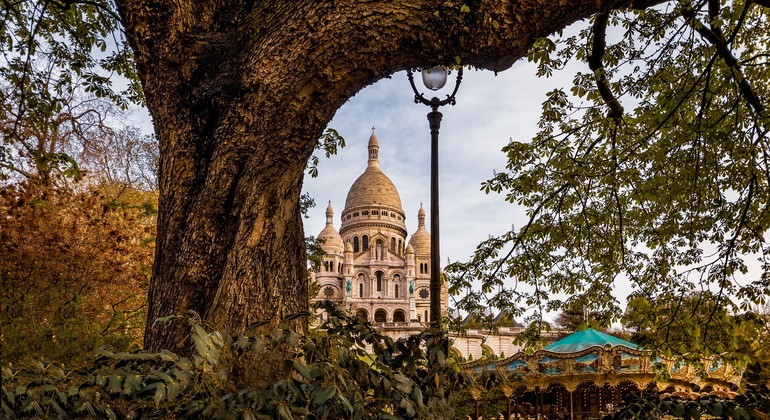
[(587, 338)]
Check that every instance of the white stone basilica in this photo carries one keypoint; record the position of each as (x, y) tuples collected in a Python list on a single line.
[(369, 269)]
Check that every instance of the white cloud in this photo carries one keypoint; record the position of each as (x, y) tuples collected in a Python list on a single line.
[(490, 110)]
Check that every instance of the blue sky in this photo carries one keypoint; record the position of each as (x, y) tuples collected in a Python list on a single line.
[(490, 110)]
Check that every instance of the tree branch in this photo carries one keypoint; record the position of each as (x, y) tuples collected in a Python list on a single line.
[(595, 63), (718, 41)]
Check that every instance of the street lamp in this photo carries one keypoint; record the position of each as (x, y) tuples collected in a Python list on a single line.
[(434, 79)]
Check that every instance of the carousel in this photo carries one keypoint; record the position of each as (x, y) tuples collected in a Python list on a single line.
[(588, 373)]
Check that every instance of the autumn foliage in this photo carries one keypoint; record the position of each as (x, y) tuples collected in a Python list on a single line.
[(74, 270)]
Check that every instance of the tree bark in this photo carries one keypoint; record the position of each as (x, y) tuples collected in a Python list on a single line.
[(239, 93)]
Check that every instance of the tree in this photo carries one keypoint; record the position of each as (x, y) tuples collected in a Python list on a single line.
[(240, 92), (55, 92), (758, 371), (74, 271), (570, 319), (578, 315), (691, 324), (652, 169), (78, 201)]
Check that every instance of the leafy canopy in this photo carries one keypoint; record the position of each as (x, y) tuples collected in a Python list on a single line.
[(653, 168), (58, 68)]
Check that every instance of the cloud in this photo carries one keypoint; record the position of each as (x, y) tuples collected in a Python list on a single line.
[(490, 111)]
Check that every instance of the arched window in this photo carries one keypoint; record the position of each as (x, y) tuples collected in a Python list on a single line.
[(379, 281), (355, 244), (395, 289), (400, 247), (380, 316), (426, 316), (361, 313), (399, 316), (365, 242), (393, 244), (360, 290)]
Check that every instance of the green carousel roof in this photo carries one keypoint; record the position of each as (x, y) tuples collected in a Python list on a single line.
[(587, 338)]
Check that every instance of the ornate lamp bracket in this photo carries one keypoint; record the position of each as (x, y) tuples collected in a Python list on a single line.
[(434, 102)]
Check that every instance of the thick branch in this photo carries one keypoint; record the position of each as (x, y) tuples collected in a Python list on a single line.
[(595, 63)]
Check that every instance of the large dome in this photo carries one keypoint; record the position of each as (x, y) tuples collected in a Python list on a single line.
[(373, 188), (373, 202)]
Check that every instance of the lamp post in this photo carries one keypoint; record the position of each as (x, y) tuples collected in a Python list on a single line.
[(434, 79)]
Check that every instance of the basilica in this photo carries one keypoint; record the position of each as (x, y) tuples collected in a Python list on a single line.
[(372, 270), (369, 268)]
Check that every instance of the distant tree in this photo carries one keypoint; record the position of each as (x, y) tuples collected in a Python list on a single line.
[(571, 319), (758, 369), (579, 314), (694, 324), (122, 160), (74, 272)]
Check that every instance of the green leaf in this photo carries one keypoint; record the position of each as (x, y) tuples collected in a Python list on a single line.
[(132, 384), (321, 395), (115, 384), (302, 370), (284, 412)]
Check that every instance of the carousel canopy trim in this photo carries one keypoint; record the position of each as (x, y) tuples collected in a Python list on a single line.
[(584, 339)]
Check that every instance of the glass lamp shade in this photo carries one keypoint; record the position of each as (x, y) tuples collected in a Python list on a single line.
[(434, 78)]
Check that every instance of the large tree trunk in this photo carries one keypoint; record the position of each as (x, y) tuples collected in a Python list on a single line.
[(239, 93)]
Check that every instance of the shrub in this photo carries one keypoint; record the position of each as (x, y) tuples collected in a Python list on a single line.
[(344, 369)]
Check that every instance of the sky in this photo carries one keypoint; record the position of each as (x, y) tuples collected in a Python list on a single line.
[(490, 111)]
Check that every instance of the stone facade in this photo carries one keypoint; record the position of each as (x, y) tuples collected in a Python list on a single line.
[(371, 270), (369, 267)]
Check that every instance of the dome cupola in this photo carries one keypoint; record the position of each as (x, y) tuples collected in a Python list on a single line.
[(420, 240), (332, 241)]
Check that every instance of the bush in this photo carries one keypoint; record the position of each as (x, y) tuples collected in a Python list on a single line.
[(74, 272), (345, 369)]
